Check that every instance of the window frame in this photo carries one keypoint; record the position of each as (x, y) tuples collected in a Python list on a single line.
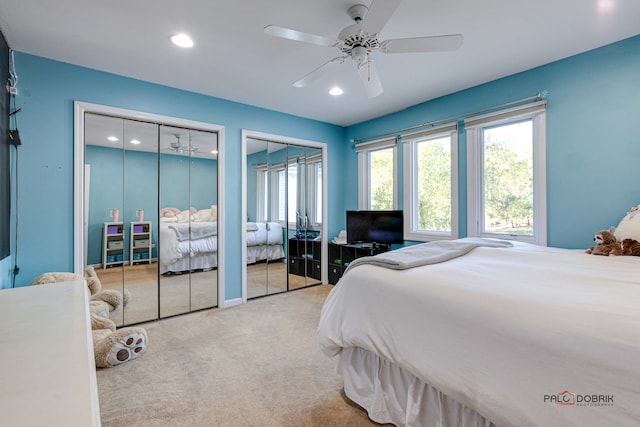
[(411, 232), (536, 112), (364, 151), (314, 191)]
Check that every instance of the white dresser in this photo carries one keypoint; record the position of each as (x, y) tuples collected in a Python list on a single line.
[(47, 368)]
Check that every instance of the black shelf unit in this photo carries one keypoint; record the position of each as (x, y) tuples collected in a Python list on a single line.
[(340, 256), (305, 256)]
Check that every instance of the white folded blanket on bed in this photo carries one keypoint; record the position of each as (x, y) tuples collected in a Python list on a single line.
[(428, 253), (194, 230)]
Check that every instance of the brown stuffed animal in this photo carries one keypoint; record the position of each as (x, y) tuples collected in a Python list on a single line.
[(630, 247), (606, 244)]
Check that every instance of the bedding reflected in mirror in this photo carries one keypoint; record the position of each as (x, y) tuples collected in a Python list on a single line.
[(132, 167)]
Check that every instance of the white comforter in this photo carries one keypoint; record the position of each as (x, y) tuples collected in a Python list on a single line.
[(260, 233), (172, 249), (502, 329)]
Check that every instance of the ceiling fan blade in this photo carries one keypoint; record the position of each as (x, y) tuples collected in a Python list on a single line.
[(423, 44), (370, 78), (378, 15), (299, 36), (315, 74)]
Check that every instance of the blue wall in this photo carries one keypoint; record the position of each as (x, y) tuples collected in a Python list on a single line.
[(46, 95), (593, 142), (593, 146)]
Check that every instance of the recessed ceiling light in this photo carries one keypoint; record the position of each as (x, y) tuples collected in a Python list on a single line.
[(214, 151), (112, 138), (182, 40), (335, 91), (606, 6), (135, 141)]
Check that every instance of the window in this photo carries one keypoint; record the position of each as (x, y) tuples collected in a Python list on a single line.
[(285, 201), (506, 174), (285, 181), (430, 187), (262, 193), (291, 184), (314, 190), (377, 186)]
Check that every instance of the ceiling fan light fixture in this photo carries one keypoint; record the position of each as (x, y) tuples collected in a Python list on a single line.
[(182, 40), (336, 91)]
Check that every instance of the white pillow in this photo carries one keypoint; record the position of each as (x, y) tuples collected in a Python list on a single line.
[(629, 227), (184, 216), (168, 219), (169, 212), (202, 215), (214, 212)]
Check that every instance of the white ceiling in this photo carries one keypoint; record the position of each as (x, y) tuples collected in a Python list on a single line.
[(233, 59)]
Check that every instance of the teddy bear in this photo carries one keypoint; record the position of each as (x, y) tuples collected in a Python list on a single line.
[(101, 302), (606, 244), (111, 347), (630, 247)]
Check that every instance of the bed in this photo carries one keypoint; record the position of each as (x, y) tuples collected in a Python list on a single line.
[(190, 242), (515, 335)]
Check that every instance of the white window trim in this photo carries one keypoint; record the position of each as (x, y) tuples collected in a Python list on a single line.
[(261, 206), (473, 127), (410, 192), (364, 151), (274, 202), (313, 193)]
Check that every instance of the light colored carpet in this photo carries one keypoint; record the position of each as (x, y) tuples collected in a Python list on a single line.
[(257, 364), (181, 293)]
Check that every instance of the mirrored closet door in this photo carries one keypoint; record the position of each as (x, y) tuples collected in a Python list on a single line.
[(305, 244), (266, 232), (188, 220), (150, 215), (121, 164), (284, 217)]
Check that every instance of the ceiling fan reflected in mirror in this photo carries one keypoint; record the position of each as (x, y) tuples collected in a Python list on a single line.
[(359, 40), (180, 147)]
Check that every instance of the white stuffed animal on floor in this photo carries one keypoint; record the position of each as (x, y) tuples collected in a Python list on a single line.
[(111, 347)]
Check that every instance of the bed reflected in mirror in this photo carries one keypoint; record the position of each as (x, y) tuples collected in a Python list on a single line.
[(266, 223), (285, 197), (188, 258), (150, 195)]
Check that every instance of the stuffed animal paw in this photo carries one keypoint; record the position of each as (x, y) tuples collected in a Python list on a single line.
[(112, 348)]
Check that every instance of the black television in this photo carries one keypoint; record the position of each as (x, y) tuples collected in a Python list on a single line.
[(375, 227)]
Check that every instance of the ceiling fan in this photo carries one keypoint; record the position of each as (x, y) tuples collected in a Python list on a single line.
[(182, 148), (359, 40)]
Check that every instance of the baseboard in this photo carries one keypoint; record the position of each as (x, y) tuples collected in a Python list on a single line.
[(230, 303)]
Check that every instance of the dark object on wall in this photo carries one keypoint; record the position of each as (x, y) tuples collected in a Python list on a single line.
[(379, 227), (5, 170)]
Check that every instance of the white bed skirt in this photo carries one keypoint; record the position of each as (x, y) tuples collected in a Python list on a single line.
[(264, 252), (393, 395), (195, 262), (207, 261)]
